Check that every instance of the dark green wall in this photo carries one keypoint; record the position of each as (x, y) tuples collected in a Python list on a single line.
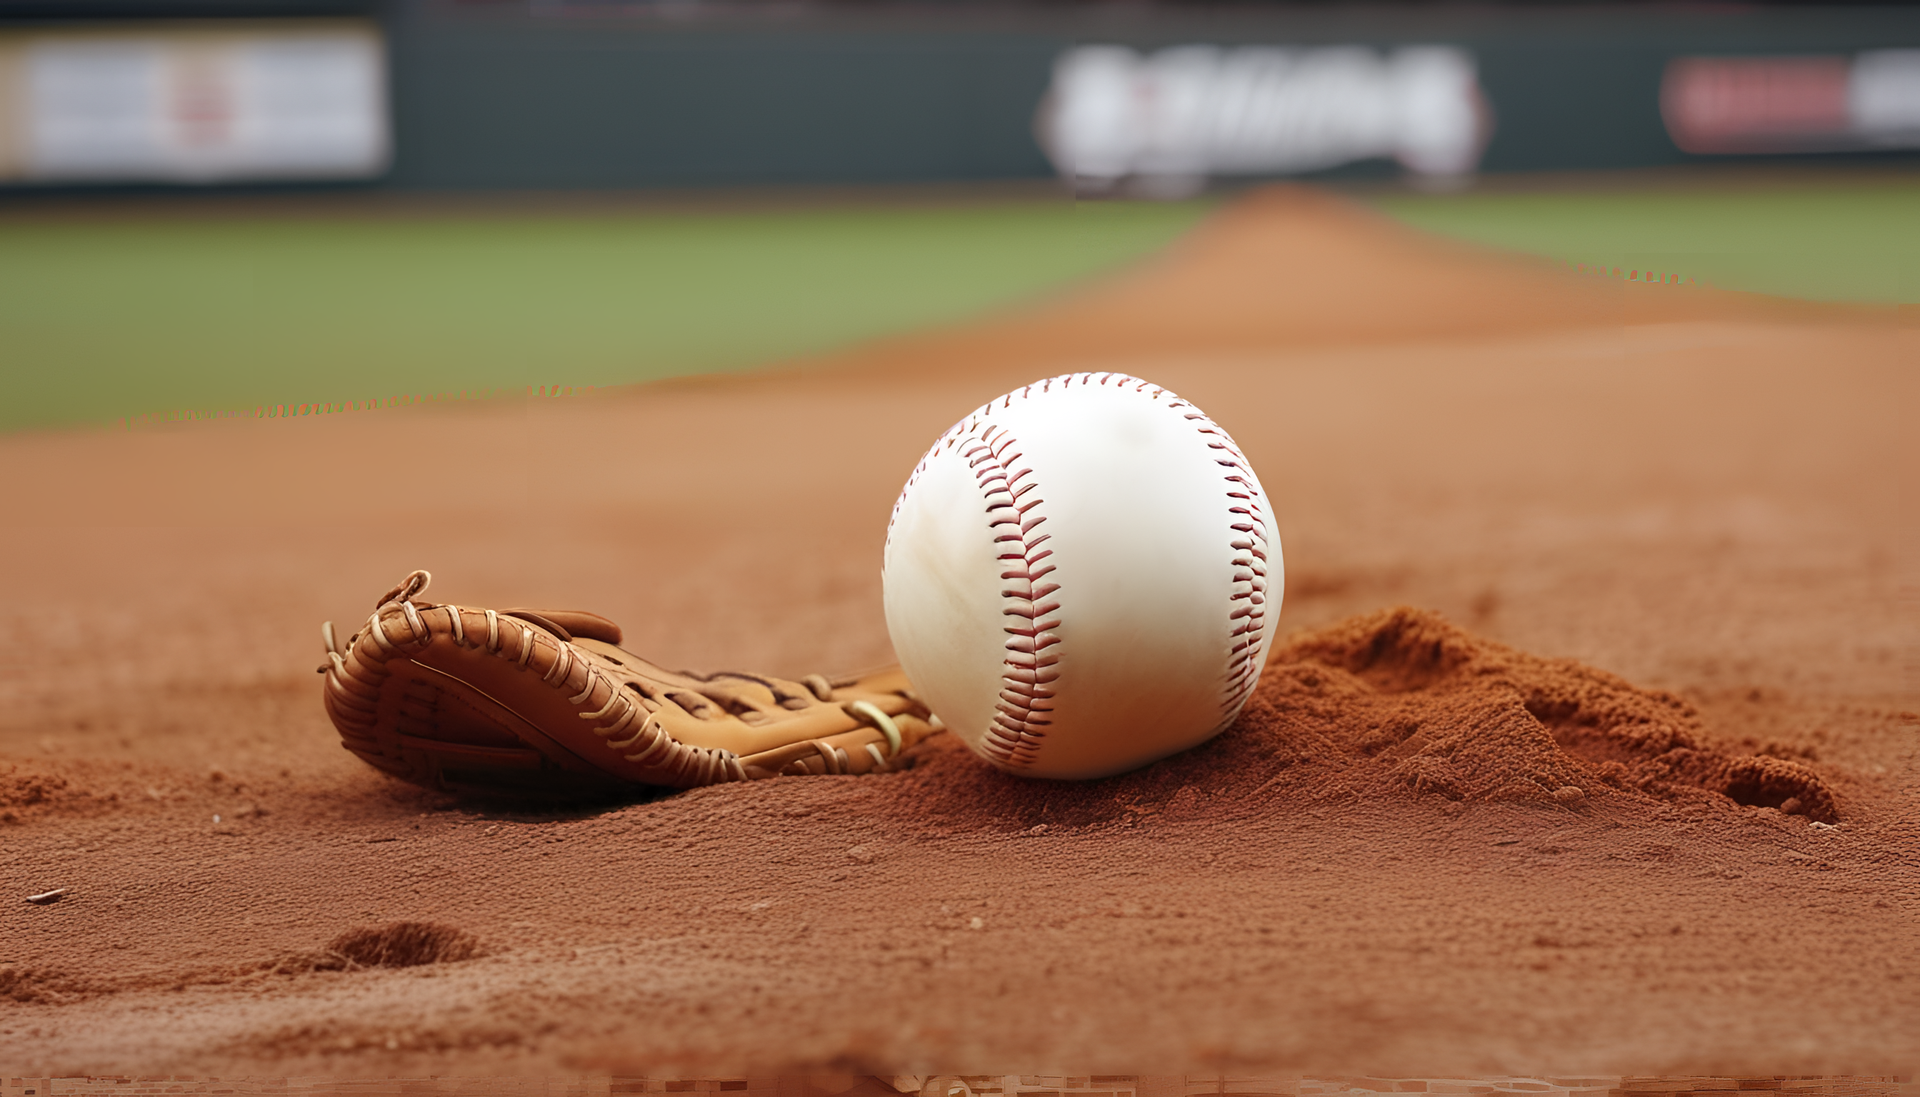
[(628, 96), (558, 104)]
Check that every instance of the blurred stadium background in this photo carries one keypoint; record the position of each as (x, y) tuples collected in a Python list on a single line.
[(240, 207)]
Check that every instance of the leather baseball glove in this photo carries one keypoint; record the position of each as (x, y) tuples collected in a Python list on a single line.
[(545, 702)]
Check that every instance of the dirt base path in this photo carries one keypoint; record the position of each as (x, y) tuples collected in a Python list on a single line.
[(1699, 492)]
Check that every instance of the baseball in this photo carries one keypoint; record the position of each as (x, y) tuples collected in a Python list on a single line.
[(1082, 577)]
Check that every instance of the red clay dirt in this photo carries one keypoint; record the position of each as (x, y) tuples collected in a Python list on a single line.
[(1439, 841)]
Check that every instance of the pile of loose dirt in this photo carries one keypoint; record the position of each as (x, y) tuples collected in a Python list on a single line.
[(30, 790), (1406, 698), (1399, 704), (29, 786)]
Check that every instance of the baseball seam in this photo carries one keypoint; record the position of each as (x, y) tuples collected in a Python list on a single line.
[(1249, 597), (1024, 710), (1017, 733)]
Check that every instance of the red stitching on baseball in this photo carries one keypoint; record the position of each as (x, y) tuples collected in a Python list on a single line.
[(1032, 662)]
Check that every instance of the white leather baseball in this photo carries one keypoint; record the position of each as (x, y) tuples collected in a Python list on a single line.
[(1082, 577)]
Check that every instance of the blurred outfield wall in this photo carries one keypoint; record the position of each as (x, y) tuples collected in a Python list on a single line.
[(547, 94)]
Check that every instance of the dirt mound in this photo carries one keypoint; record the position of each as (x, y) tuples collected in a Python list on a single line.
[(1243, 280), (1445, 712), (24, 787), (1397, 703), (28, 790)]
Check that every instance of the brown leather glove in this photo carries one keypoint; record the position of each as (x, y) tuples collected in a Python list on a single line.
[(519, 702)]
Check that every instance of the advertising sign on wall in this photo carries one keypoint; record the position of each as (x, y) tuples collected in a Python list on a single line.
[(1170, 120), (1718, 105), (290, 102)]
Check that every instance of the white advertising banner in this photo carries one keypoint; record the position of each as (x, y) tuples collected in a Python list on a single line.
[(198, 105), (1169, 120)]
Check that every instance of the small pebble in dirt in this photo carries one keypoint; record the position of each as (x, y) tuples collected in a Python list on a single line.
[(46, 897), (1569, 794), (860, 855), (976, 923)]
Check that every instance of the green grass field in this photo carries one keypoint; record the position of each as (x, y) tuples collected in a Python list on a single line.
[(120, 316), (1833, 242), (106, 318)]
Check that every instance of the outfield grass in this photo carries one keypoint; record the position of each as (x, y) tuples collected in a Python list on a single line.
[(108, 318), (1833, 242), (117, 317)]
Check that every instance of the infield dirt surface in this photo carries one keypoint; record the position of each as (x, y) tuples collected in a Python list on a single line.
[(1702, 493)]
